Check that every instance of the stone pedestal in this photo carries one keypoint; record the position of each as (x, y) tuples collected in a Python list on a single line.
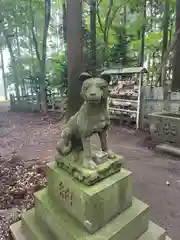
[(70, 210), (93, 206)]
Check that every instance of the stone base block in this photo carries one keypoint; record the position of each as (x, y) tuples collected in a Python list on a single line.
[(28, 229), (94, 206), (16, 231), (129, 225), (105, 166), (154, 232)]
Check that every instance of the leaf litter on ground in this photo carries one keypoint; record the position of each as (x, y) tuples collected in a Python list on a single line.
[(18, 182)]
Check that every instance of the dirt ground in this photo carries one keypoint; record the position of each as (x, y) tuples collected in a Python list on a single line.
[(27, 140)]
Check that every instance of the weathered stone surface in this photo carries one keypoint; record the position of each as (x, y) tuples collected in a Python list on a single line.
[(36, 233), (104, 167), (93, 206), (17, 231), (129, 225), (92, 118), (154, 232), (32, 229), (165, 127), (28, 229)]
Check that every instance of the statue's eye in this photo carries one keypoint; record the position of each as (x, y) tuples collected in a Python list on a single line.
[(85, 88)]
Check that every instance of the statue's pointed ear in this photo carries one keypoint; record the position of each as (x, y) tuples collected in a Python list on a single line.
[(106, 77), (84, 76)]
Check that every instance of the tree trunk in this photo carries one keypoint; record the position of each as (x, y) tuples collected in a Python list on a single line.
[(93, 34), (75, 54), (151, 13), (165, 27), (171, 32), (42, 57), (143, 30), (13, 62), (3, 74), (124, 57), (105, 29), (176, 69), (43, 93), (165, 37), (31, 64), (64, 21), (22, 83)]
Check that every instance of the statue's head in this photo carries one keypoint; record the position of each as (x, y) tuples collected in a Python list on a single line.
[(96, 89)]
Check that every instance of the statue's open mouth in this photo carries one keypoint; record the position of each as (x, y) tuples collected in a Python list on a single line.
[(93, 101)]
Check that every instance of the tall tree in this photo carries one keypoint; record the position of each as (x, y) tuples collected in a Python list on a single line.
[(3, 74), (105, 21), (64, 20), (93, 33), (165, 35), (176, 69), (75, 54), (165, 27), (141, 58), (8, 38), (41, 54)]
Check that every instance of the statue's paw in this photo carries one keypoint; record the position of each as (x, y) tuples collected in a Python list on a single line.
[(111, 155), (88, 163)]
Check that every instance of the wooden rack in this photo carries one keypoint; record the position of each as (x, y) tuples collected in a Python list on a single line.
[(125, 92)]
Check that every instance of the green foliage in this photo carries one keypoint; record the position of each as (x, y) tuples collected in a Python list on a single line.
[(57, 68), (119, 25)]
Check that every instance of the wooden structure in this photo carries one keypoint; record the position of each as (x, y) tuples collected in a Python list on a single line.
[(30, 103), (125, 93)]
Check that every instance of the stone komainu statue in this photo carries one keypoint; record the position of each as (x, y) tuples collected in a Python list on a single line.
[(92, 118)]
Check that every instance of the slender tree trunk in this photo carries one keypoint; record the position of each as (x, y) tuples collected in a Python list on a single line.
[(151, 13), (124, 59), (93, 34), (75, 54), (148, 67), (3, 74), (43, 92), (153, 67), (105, 29), (22, 83), (165, 37), (64, 21), (13, 61), (171, 32), (176, 68), (42, 57), (31, 64), (21, 80), (165, 27), (143, 30)]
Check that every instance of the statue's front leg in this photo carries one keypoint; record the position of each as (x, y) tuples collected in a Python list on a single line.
[(64, 145), (87, 159), (104, 144)]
